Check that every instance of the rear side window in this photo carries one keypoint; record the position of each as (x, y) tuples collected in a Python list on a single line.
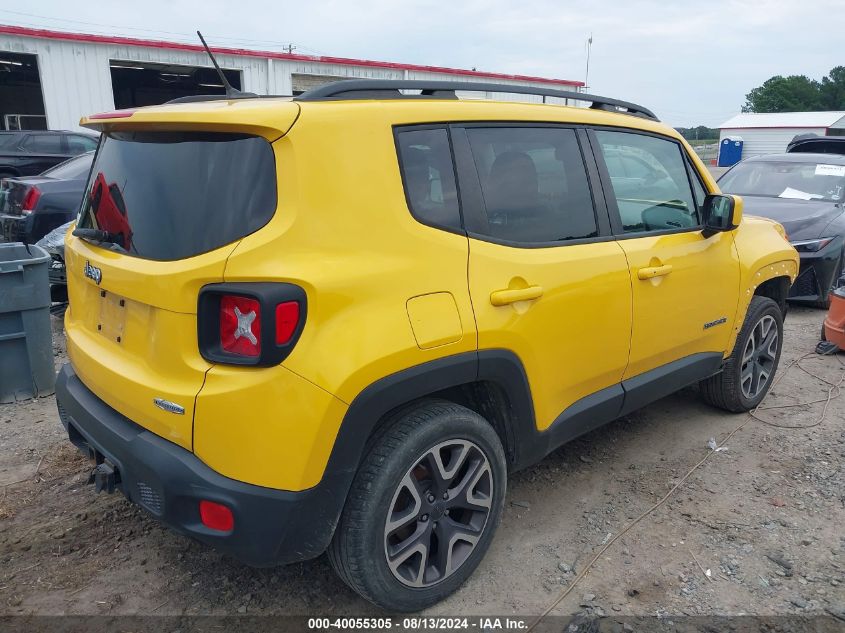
[(43, 144), (650, 182), (77, 143), (534, 184), (172, 195), (429, 177)]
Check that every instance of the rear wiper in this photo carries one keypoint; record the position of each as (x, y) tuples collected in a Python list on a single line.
[(96, 235)]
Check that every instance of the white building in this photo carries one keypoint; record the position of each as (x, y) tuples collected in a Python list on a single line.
[(770, 133), (50, 78)]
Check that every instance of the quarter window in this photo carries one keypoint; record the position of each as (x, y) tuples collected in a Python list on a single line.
[(534, 184), (429, 177), (650, 182)]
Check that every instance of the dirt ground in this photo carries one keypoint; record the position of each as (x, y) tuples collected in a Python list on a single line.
[(765, 516)]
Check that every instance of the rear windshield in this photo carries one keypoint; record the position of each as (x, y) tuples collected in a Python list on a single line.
[(73, 169), (172, 195)]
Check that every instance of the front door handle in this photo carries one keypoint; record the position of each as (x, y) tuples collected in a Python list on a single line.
[(654, 271), (504, 297)]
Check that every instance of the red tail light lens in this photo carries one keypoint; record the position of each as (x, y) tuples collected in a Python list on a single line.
[(287, 318), (240, 325), (216, 516), (250, 323), (30, 200)]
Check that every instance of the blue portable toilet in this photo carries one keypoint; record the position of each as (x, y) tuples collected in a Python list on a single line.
[(730, 151)]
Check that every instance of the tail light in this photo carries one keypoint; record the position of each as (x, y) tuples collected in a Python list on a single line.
[(30, 199), (249, 323)]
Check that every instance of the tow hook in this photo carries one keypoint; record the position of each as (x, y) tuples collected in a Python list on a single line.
[(104, 476)]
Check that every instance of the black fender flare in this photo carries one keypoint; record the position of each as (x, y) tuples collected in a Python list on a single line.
[(386, 394)]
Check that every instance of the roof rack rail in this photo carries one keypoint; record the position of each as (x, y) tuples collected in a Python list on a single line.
[(390, 89)]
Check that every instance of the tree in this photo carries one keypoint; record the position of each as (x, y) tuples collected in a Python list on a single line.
[(795, 93), (701, 132), (833, 89)]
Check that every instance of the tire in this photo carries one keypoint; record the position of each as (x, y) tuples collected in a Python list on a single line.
[(367, 553), (742, 386)]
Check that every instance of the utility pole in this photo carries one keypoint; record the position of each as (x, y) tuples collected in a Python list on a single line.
[(291, 48), (587, 74)]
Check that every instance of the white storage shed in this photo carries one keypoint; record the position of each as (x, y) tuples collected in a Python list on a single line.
[(49, 79), (771, 132)]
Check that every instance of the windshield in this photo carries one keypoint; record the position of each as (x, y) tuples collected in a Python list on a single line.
[(172, 195), (73, 169), (799, 181)]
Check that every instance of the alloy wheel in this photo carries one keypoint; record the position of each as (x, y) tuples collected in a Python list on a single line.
[(759, 357), (438, 513)]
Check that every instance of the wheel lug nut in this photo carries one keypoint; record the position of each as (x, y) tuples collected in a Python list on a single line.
[(445, 495), (424, 517), (446, 512), (434, 524), (430, 498)]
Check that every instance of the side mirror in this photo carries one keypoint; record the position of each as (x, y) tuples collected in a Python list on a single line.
[(722, 212)]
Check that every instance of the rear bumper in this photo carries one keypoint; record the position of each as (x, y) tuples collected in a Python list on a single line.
[(271, 526)]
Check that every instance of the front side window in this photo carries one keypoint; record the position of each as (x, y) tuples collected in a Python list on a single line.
[(534, 184), (425, 160), (43, 144), (650, 182)]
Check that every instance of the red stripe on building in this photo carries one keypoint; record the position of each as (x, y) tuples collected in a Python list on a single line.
[(344, 61)]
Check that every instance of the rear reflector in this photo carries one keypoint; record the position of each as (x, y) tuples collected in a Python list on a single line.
[(216, 516), (240, 325), (30, 200), (287, 318)]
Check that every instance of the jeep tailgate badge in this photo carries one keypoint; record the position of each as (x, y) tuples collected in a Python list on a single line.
[(92, 272)]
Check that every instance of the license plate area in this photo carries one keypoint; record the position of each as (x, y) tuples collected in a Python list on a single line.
[(112, 319)]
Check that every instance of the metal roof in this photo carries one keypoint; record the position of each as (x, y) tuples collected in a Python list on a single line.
[(344, 61), (785, 120)]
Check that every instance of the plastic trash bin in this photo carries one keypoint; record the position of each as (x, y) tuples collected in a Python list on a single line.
[(26, 338)]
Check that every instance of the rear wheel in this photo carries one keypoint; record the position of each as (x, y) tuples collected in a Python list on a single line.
[(748, 373), (422, 509)]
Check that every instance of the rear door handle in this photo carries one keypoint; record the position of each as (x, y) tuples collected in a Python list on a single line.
[(504, 297), (654, 271)]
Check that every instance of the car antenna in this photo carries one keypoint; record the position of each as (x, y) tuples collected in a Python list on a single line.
[(231, 91)]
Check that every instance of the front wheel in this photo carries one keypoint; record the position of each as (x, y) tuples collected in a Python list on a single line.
[(422, 509), (748, 372)]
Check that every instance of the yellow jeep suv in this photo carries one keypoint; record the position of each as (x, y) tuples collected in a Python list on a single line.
[(335, 322)]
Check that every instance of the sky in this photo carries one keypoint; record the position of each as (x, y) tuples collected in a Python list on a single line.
[(691, 62)]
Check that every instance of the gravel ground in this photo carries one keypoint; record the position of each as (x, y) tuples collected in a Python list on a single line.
[(765, 517)]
